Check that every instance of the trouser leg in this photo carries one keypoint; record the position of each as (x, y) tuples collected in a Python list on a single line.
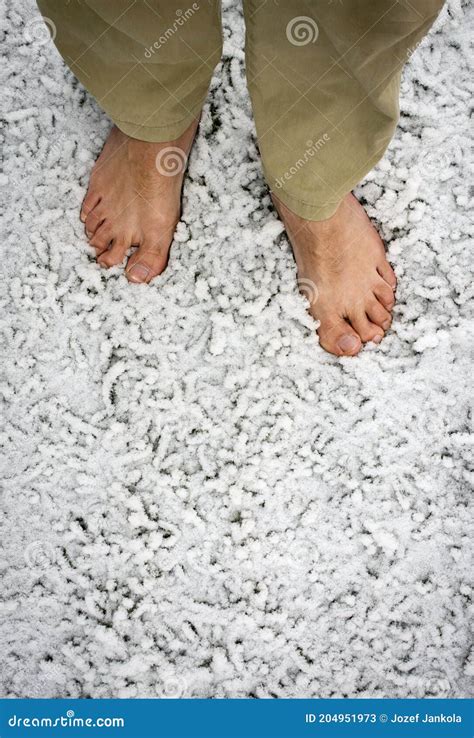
[(148, 64), (324, 81)]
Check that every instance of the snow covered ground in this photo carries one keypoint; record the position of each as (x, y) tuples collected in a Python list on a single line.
[(197, 500)]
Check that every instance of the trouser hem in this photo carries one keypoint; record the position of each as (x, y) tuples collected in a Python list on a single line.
[(325, 210), (156, 134), (305, 209)]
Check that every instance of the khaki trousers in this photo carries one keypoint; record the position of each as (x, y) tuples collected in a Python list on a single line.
[(323, 76)]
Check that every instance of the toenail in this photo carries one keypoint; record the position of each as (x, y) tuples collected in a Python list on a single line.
[(377, 339), (348, 343), (138, 273), (386, 324)]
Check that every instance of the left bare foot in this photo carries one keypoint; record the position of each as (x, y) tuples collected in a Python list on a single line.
[(343, 272)]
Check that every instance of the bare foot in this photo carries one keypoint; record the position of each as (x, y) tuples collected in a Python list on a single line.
[(343, 272), (134, 199)]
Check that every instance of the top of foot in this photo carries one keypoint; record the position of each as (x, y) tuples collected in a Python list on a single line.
[(344, 273), (134, 199)]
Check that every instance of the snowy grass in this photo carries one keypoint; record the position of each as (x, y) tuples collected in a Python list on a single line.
[(198, 501)]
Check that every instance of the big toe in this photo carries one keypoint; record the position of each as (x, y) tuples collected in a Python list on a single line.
[(145, 264), (337, 337)]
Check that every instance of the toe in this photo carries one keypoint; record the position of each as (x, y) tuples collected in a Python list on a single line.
[(115, 254), (337, 337), (367, 330), (95, 218), (91, 200), (384, 293), (146, 263), (102, 238), (378, 314), (387, 273)]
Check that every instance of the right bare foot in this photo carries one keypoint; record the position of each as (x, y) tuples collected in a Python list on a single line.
[(134, 199)]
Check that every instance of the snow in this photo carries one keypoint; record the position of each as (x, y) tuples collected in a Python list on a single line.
[(197, 500)]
